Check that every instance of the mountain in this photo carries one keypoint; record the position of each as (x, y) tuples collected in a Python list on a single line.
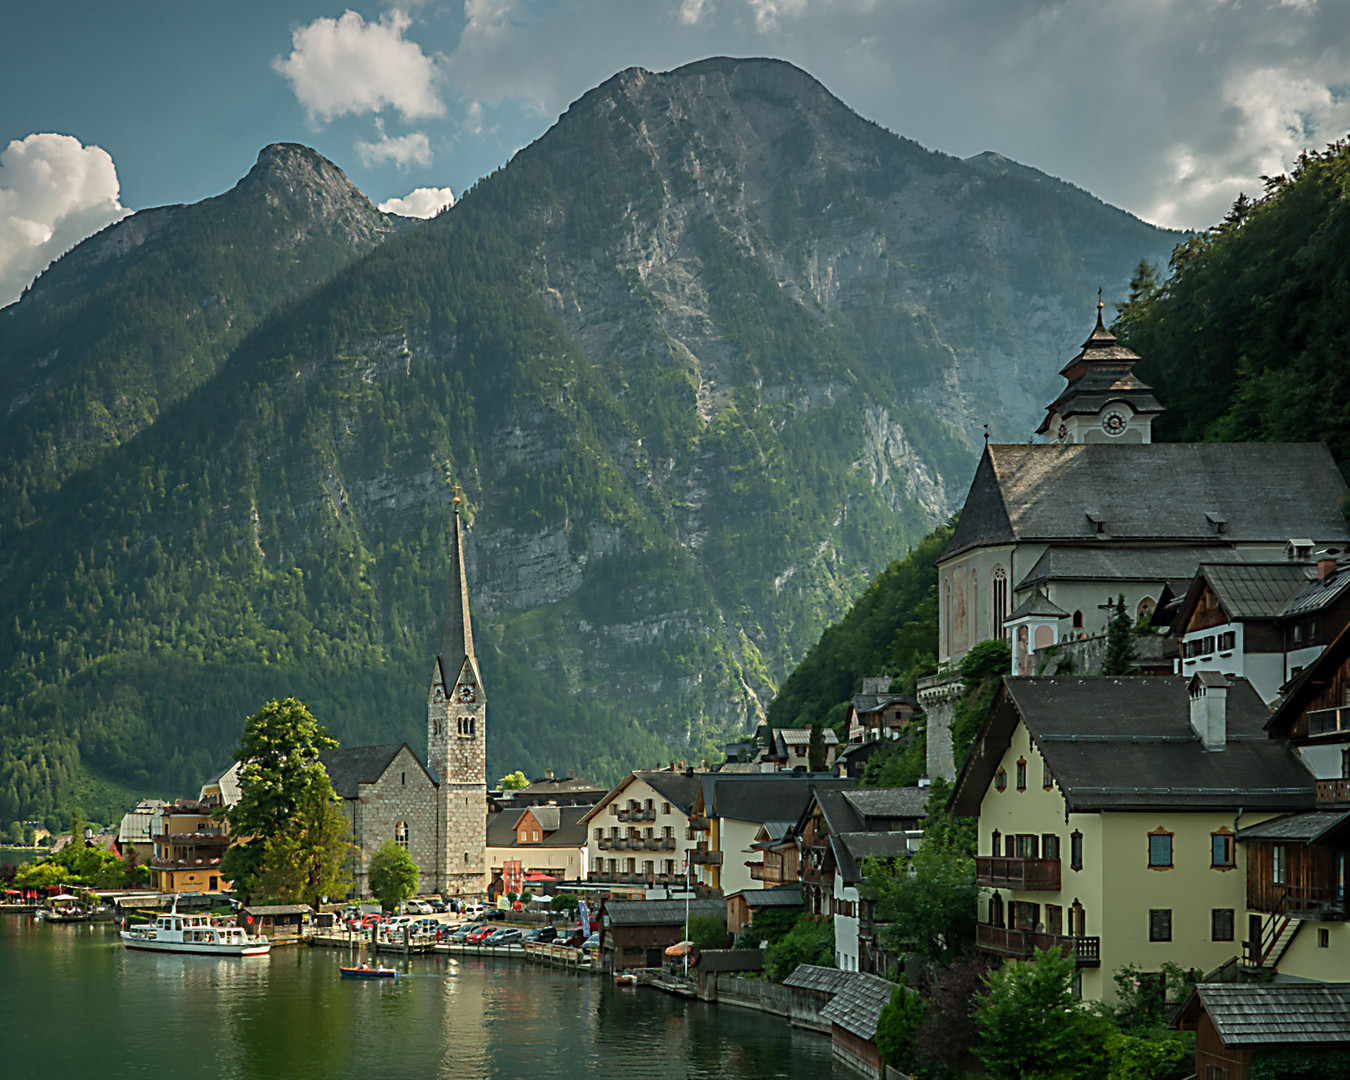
[(142, 313), (704, 357)]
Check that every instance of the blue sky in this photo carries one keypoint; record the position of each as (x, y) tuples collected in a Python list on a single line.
[(1165, 107)]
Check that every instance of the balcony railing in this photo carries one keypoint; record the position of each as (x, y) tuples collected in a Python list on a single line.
[(183, 864), (707, 858), (1333, 791), (638, 813), (1328, 721), (1086, 951), (1031, 875), (698, 824)]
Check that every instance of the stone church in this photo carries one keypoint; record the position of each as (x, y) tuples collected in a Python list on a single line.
[(437, 810)]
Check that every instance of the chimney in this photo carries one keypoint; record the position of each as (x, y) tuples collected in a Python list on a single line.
[(548, 774), (1326, 566), (1209, 709)]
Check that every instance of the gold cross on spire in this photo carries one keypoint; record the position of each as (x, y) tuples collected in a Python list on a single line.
[(457, 489), (1100, 305)]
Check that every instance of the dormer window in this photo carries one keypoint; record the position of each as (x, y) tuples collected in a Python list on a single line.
[(1217, 522), (1097, 522)]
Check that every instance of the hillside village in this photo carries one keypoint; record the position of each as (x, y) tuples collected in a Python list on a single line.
[(1191, 811)]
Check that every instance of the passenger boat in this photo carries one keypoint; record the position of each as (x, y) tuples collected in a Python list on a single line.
[(366, 972), (193, 934)]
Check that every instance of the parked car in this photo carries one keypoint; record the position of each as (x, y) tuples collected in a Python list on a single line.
[(426, 925), (461, 932), (438, 907), (416, 907), (473, 911), (542, 934), (507, 935), (480, 935), (591, 943)]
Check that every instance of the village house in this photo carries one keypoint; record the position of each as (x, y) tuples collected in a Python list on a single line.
[(188, 846), (1109, 811), (1264, 621), (744, 905), (727, 814), (877, 713), (569, 790), (788, 749), (1298, 866), (637, 835), (543, 844), (852, 1005), (135, 833), (779, 857)]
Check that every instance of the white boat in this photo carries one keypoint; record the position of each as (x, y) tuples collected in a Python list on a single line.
[(193, 934)]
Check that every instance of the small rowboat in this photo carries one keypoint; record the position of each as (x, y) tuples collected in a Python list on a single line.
[(380, 972), (626, 979)]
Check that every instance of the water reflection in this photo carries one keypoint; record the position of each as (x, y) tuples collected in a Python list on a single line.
[(75, 1003)]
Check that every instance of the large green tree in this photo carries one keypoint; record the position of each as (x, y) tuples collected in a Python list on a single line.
[(392, 875), (292, 838)]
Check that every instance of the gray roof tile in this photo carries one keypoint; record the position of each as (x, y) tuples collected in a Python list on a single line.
[(1275, 1014)]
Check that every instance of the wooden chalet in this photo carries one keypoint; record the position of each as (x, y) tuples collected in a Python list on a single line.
[(636, 933)]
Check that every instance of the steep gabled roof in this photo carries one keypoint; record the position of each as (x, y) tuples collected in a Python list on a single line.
[(857, 1004), (1274, 1014), (350, 766), (1155, 491), (1246, 590), (764, 796), (850, 849), (1126, 743), (1308, 683), (888, 802), (677, 788)]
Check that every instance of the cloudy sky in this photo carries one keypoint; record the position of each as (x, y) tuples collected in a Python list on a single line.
[(1168, 108)]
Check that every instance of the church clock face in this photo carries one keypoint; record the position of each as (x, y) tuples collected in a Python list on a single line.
[(438, 695), (465, 694), (1113, 423)]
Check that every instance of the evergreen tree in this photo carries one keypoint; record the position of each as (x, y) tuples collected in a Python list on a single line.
[(816, 754), (1119, 656)]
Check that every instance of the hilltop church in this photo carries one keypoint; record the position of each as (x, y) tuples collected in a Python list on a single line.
[(435, 810), (1051, 532)]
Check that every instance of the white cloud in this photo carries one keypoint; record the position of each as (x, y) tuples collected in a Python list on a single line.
[(347, 66), (423, 202), (692, 12), (53, 193), (402, 150)]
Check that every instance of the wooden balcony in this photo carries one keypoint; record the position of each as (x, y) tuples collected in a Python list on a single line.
[(1333, 792), (638, 813), (1029, 875), (1020, 944), (707, 858)]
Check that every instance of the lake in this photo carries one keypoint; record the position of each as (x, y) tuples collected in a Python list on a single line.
[(75, 1003)]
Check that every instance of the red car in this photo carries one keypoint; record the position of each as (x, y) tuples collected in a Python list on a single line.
[(478, 936)]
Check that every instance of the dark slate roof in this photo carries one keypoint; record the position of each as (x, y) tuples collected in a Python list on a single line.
[(764, 796), (802, 736), (1126, 743), (568, 785), (840, 815), (783, 896), (501, 828), (1155, 491), (677, 788), (547, 816), (1277, 1014), (350, 766), (1245, 590), (827, 980), (888, 802), (1037, 604), (661, 912), (858, 1003), (851, 848), (1316, 595), (1122, 564), (1305, 828), (865, 703)]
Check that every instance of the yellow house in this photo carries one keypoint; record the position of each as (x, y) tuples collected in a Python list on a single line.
[(188, 846), (1108, 817)]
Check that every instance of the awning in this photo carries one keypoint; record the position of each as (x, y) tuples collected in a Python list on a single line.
[(681, 947)]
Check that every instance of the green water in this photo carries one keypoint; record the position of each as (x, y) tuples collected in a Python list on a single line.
[(75, 1004)]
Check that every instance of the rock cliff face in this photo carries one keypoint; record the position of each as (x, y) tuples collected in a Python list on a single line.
[(705, 357)]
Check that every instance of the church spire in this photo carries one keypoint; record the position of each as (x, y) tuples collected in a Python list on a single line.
[(457, 630)]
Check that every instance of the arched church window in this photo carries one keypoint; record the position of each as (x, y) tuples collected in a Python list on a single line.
[(999, 599), (401, 835), (1146, 608), (946, 618), (1078, 620)]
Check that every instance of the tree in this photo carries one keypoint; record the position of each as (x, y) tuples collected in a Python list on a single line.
[(513, 781), (392, 875), (40, 875), (947, 1036), (563, 902), (292, 838), (815, 750), (810, 941), (1119, 657), (928, 899), (896, 1025), (708, 931), (1031, 1024)]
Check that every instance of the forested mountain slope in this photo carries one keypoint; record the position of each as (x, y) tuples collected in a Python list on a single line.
[(705, 357), (1247, 339)]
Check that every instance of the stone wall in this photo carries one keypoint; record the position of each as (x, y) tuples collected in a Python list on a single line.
[(405, 793), (937, 696)]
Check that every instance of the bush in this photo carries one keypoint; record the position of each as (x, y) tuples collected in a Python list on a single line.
[(810, 941), (896, 1026), (708, 932)]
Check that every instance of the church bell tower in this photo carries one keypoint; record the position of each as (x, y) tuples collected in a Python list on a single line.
[(1104, 401), (456, 739)]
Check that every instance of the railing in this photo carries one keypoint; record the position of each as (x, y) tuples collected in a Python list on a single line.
[(1032, 875), (707, 858), (1086, 951), (638, 813), (210, 836), (1333, 791), (698, 824), (182, 864), (1313, 902), (1328, 721)]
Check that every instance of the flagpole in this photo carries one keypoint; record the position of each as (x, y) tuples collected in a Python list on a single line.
[(688, 866)]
